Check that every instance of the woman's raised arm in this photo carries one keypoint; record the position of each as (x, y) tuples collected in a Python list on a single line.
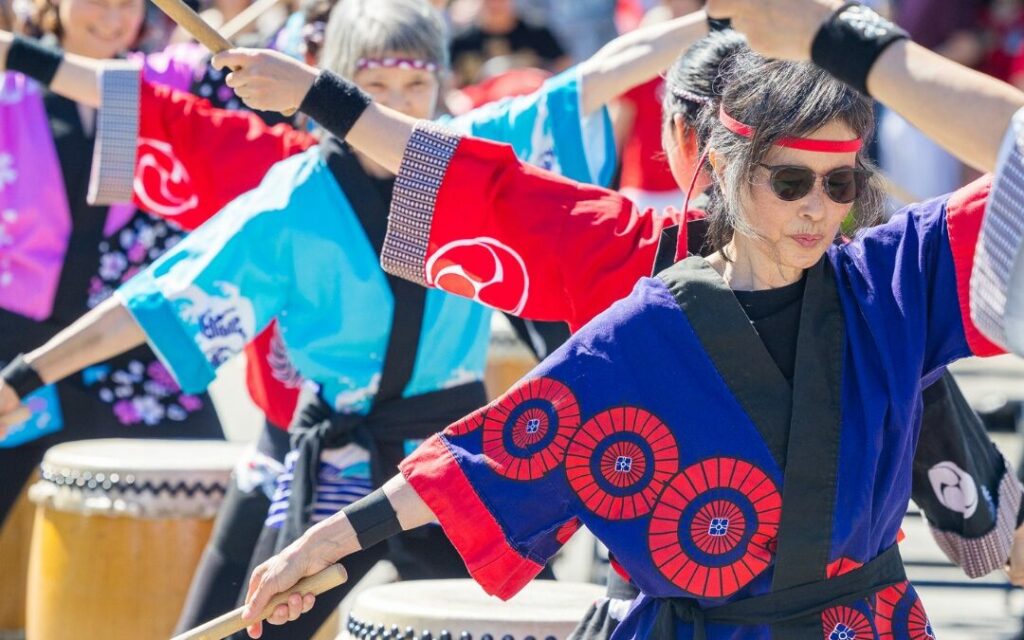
[(965, 111), (106, 331), (76, 77)]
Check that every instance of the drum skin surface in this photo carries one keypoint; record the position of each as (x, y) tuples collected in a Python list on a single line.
[(119, 529), (544, 609)]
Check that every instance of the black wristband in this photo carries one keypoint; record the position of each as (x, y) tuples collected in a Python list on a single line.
[(373, 518), (21, 377), (849, 43), (335, 103), (34, 59)]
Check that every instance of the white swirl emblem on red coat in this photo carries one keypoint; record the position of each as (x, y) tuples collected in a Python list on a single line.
[(483, 270), (162, 183)]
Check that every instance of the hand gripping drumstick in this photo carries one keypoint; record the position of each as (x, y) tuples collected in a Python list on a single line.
[(190, 21), (183, 14), (231, 622)]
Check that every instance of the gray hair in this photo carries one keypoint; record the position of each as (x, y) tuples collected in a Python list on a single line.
[(372, 28), (778, 99), (695, 79)]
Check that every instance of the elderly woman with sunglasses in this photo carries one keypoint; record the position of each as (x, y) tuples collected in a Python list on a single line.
[(666, 425)]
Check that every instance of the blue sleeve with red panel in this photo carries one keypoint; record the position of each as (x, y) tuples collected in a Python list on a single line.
[(917, 268), (476, 475)]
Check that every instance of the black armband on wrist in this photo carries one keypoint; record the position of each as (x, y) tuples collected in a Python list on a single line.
[(373, 518), (34, 59), (21, 377), (849, 43), (335, 103)]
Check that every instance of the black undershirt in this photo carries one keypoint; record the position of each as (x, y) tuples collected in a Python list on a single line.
[(775, 314)]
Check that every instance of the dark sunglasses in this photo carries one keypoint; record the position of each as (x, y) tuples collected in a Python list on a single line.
[(790, 183)]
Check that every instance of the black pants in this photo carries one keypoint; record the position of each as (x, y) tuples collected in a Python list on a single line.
[(222, 575)]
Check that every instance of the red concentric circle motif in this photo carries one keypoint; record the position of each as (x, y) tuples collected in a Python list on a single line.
[(918, 625), (526, 431), (469, 424), (619, 461), (886, 602), (900, 614), (712, 528), (718, 527), (845, 623)]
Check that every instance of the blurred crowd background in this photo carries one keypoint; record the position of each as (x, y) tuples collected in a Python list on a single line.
[(508, 47)]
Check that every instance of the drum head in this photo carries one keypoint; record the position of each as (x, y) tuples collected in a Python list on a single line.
[(139, 478), (544, 609)]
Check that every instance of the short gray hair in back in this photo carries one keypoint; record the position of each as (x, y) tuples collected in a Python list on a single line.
[(373, 28)]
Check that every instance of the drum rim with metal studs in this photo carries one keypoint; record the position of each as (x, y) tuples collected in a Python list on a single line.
[(545, 609), (137, 478)]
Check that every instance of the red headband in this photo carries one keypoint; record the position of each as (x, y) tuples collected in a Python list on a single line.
[(803, 144), (395, 63)]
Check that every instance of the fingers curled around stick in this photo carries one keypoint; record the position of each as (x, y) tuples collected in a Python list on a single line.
[(17, 416), (233, 59)]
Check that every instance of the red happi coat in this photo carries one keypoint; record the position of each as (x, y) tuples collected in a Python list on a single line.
[(193, 159)]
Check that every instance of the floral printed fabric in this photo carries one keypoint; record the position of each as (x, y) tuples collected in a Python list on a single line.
[(130, 250), (140, 392), (140, 389)]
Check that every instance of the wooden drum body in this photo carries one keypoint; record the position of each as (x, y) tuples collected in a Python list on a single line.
[(455, 609), (119, 529), (14, 544)]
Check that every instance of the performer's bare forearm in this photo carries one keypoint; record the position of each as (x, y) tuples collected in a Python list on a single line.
[(335, 537), (382, 134), (77, 77), (635, 58), (106, 331), (965, 111)]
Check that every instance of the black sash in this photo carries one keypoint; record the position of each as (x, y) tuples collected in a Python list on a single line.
[(806, 601), (382, 432), (392, 419)]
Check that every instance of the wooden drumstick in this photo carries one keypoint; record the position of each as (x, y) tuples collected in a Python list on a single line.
[(231, 622), (189, 20)]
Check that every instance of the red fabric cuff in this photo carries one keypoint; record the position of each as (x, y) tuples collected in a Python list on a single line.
[(436, 476), (965, 212)]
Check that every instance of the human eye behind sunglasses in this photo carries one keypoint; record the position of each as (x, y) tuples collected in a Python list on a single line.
[(793, 182)]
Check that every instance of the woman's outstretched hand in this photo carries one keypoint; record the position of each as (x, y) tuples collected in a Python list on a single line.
[(1015, 565), (781, 29), (12, 411), (304, 557), (267, 80)]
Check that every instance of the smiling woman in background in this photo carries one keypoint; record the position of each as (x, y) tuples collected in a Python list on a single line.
[(63, 256)]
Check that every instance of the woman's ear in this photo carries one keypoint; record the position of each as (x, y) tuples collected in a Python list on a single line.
[(679, 131), (716, 163)]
